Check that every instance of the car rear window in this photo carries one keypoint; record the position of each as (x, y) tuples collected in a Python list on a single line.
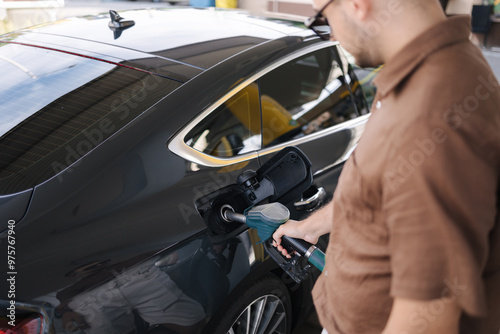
[(56, 107)]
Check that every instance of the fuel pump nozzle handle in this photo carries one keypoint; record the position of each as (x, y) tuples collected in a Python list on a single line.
[(313, 254), (266, 219)]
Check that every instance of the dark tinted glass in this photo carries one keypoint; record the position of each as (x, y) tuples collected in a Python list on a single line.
[(232, 129), (57, 107), (320, 26), (304, 96)]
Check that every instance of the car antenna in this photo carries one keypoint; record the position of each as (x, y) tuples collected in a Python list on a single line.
[(118, 23)]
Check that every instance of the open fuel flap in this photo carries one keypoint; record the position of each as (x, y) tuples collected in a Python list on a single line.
[(282, 179)]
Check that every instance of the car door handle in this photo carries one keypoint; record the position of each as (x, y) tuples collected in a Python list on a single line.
[(311, 202)]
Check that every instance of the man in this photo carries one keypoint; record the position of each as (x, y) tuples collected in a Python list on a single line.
[(414, 223)]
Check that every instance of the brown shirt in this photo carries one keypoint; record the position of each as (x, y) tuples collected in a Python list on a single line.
[(416, 211)]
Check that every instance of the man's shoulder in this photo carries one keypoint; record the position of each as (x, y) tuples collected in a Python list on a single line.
[(455, 79), (454, 66)]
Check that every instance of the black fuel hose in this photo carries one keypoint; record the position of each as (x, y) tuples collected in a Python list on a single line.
[(313, 254)]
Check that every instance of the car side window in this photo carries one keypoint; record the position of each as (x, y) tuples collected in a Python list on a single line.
[(304, 96), (232, 129)]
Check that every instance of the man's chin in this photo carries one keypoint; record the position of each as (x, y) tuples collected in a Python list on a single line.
[(366, 62), (361, 59)]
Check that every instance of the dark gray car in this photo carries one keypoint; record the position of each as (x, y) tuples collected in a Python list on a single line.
[(113, 143)]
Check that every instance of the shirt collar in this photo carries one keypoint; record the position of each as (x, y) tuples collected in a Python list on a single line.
[(451, 31)]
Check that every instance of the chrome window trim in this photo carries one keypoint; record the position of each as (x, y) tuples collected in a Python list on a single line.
[(353, 123), (180, 148), (352, 146)]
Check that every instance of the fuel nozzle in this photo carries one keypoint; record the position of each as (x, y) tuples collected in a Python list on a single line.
[(283, 178), (266, 219)]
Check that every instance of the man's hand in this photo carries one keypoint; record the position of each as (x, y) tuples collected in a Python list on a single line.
[(294, 229), (309, 229), (428, 317)]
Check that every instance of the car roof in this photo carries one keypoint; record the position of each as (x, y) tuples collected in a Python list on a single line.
[(178, 43), (66, 77)]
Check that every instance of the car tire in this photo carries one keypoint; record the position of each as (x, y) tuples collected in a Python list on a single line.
[(265, 304)]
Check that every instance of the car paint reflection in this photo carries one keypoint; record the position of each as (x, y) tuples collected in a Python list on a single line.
[(175, 291)]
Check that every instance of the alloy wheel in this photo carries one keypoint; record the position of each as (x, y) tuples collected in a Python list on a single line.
[(265, 315)]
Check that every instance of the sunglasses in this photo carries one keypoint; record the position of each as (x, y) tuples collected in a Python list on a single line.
[(319, 24)]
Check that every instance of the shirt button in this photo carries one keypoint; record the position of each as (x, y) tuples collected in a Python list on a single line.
[(326, 272), (378, 105)]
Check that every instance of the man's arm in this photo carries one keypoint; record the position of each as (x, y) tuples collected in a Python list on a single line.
[(423, 317), (309, 229)]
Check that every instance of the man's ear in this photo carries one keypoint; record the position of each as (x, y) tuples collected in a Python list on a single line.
[(360, 9)]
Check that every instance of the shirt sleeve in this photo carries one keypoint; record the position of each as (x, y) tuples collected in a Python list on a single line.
[(439, 201)]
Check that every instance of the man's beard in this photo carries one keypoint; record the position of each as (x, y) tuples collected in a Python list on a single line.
[(364, 59), (361, 47)]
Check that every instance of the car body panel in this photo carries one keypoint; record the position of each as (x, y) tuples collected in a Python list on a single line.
[(16, 205), (125, 149)]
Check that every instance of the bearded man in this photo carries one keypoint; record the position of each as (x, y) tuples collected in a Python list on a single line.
[(414, 223)]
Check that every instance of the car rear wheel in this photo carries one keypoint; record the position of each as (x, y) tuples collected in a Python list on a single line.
[(265, 307)]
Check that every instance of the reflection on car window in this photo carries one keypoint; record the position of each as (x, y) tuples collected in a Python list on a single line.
[(362, 85), (366, 76), (57, 107), (304, 96), (232, 129)]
